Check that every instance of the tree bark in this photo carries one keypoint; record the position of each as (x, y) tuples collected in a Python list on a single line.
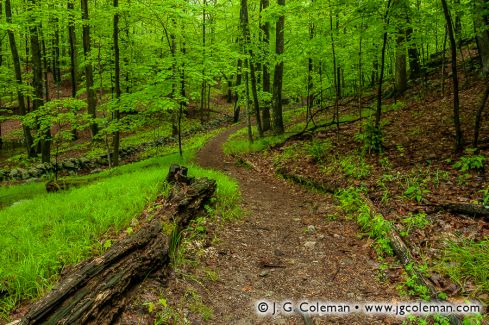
[(93, 293), (117, 72), (265, 28), (278, 124), (72, 41), (91, 100), (481, 23), (239, 76), (459, 142), (378, 113), (478, 116), (401, 8), (247, 50), (37, 78), (31, 152)]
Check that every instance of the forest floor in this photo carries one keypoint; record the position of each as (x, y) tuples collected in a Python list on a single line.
[(285, 248)]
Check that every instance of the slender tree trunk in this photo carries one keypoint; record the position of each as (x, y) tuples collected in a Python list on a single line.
[(401, 8), (72, 41), (378, 114), (478, 117), (459, 142), (117, 72), (481, 24), (336, 76), (310, 85), (265, 28), (31, 152), (204, 83), (278, 124), (1, 63), (91, 100), (37, 79), (414, 66), (45, 68), (250, 65), (239, 75), (443, 64)]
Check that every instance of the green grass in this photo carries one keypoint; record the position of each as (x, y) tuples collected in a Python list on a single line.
[(11, 194), (43, 234), (468, 260)]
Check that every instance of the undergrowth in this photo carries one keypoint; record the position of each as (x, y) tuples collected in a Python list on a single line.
[(44, 233)]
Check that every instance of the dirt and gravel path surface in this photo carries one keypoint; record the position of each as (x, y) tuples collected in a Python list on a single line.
[(287, 247)]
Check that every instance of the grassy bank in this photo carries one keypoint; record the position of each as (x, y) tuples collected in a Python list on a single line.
[(43, 234)]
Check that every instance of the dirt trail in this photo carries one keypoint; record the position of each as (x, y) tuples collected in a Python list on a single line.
[(286, 247)]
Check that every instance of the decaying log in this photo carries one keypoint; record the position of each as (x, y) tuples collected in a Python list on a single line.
[(470, 210), (93, 293), (320, 186), (402, 252)]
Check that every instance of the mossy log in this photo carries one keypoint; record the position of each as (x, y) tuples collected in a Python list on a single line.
[(94, 292)]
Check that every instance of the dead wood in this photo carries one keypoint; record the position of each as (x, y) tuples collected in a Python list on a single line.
[(402, 252), (469, 210), (302, 180), (93, 293)]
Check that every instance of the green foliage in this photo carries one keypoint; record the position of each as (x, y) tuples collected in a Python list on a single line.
[(371, 137), (415, 189), (375, 226), (415, 221), (467, 260), (318, 150), (355, 166), (470, 162), (46, 232)]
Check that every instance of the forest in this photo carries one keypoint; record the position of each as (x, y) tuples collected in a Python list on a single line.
[(210, 161)]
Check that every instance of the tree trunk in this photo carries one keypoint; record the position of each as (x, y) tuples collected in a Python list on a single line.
[(72, 41), (400, 70), (238, 83), (247, 49), (93, 293), (481, 23), (117, 72), (37, 79), (456, 102), (91, 100), (278, 124), (478, 117), (378, 113), (414, 66), (265, 28), (31, 152), (203, 86)]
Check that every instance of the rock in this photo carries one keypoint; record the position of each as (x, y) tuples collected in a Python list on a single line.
[(35, 172), (68, 164), (25, 175), (15, 173), (264, 274), (310, 244)]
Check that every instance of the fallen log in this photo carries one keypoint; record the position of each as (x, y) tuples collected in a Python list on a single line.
[(299, 179), (470, 210), (402, 252), (93, 293)]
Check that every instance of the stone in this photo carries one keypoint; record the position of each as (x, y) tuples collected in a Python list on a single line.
[(15, 173), (310, 244), (68, 164)]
